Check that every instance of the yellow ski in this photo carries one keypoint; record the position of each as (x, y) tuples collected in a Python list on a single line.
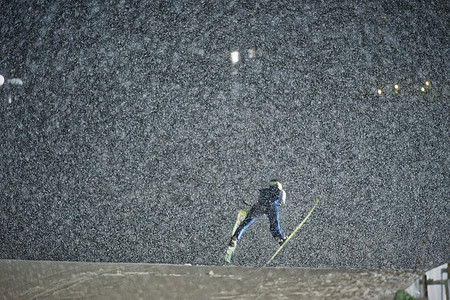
[(293, 232), (230, 250)]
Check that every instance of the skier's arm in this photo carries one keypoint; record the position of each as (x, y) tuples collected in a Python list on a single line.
[(282, 197)]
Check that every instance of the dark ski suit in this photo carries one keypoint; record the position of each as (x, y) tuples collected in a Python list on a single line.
[(267, 203)]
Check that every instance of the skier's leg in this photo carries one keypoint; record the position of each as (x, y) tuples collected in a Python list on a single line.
[(249, 219), (275, 230), (244, 225)]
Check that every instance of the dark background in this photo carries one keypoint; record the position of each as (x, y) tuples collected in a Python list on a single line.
[(135, 139)]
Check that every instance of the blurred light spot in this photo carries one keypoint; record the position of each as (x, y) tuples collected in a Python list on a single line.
[(251, 53), (2, 80), (15, 81), (396, 87), (379, 91), (422, 89), (9, 99), (234, 57), (427, 83)]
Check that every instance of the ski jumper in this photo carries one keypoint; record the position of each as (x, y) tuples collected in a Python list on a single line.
[(267, 203)]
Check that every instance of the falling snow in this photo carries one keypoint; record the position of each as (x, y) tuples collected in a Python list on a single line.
[(135, 132)]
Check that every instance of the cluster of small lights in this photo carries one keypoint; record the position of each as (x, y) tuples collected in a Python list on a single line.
[(10, 81), (423, 89), (396, 88), (235, 56)]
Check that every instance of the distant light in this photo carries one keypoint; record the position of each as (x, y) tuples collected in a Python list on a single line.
[(9, 99), (234, 57), (379, 91), (15, 81), (396, 87), (251, 53), (427, 83), (2, 80), (422, 89)]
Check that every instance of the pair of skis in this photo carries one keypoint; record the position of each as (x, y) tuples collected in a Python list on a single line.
[(241, 217)]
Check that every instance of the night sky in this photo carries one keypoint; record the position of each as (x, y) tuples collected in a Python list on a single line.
[(129, 135)]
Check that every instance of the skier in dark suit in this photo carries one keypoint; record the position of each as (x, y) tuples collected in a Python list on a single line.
[(267, 201)]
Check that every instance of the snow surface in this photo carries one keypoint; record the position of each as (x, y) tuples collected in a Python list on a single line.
[(134, 138), (63, 280)]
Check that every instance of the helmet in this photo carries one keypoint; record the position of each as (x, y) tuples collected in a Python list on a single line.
[(276, 183)]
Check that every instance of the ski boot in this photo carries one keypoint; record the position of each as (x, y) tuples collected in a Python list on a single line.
[(233, 242), (281, 240)]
